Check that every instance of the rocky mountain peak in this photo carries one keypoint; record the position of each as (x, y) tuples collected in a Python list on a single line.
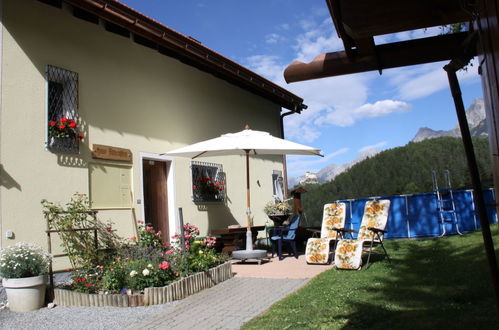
[(476, 120)]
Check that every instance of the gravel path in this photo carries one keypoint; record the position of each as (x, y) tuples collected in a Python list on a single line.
[(76, 317)]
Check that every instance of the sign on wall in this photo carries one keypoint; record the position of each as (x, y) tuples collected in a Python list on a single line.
[(111, 153)]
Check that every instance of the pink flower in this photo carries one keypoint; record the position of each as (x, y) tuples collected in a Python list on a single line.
[(149, 228), (169, 251), (133, 238), (164, 265)]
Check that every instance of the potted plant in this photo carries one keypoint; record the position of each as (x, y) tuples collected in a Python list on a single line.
[(278, 211), (23, 268)]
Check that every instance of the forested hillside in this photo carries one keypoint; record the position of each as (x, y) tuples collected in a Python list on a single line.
[(402, 170)]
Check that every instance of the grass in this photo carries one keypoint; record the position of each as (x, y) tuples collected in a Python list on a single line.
[(431, 283)]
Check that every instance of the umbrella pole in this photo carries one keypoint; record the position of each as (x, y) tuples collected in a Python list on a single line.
[(249, 238)]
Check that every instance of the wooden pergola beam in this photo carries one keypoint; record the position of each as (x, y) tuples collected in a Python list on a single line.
[(398, 54), (363, 18)]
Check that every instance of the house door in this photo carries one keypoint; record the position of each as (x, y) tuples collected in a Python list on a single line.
[(155, 174)]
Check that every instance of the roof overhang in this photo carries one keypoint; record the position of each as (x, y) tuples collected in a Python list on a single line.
[(358, 21), (186, 49)]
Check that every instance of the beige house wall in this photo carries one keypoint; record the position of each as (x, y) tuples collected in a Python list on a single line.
[(129, 96)]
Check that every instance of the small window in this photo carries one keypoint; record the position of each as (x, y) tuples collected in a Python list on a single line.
[(63, 133), (208, 183)]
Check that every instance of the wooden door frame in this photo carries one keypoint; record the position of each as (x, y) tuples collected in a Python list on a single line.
[(170, 187)]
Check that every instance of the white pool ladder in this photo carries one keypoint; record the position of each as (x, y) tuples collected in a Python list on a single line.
[(445, 202)]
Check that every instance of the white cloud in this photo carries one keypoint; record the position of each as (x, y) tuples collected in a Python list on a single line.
[(273, 38), (348, 117), (421, 81), (381, 108), (373, 146), (316, 40), (268, 66), (284, 26)]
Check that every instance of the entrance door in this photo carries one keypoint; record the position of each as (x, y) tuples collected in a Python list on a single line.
[(155, 175)]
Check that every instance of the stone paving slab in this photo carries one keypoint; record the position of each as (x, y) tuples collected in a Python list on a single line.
[(228, 305)]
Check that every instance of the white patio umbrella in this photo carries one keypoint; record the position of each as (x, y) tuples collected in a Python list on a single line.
[(246, 142)]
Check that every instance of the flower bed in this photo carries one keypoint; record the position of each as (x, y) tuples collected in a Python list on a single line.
[(143, 270), (152, 296)]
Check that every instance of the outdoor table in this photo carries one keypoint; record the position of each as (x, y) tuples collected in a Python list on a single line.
[(235, 238)]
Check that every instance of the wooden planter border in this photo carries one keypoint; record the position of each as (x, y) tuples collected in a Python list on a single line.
[(152, 296)]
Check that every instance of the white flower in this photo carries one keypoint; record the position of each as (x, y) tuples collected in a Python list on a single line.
[(146, 272), (133, 273), (150, 266)]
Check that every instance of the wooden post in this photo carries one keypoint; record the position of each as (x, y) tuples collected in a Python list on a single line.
[(475, 179)]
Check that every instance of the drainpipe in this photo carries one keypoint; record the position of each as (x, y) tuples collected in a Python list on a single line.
[(284, 166), (451, 69)]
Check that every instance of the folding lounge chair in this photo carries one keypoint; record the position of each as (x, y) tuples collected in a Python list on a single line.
[(348, 253), (286, 234), (318, 249)]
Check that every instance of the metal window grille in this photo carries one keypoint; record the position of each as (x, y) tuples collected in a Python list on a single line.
[(208, 183), (62, 102)]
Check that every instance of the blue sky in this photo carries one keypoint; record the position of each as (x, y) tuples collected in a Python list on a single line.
[(346, 114)]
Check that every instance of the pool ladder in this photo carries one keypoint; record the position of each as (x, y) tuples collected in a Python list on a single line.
[(445, 202)]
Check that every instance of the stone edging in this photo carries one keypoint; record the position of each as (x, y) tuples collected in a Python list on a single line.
[(152, 296)]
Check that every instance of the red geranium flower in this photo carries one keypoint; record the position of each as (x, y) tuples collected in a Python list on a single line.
[(61, 126), (88, 285), (52, 123), (72, 124), (63, 120)]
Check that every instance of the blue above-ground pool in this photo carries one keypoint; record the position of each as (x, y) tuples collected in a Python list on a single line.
[(417, 215)]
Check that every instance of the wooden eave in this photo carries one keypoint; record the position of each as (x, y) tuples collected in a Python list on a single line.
[(358, 21), (186, 49)]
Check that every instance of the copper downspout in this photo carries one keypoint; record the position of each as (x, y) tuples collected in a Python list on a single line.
[(284, 164)]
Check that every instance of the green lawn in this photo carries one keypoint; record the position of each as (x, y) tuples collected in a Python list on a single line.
[(431, 284)]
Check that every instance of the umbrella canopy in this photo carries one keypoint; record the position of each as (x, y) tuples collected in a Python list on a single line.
[(256, 142), (245, 142)]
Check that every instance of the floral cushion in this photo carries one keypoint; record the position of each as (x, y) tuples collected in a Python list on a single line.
[(333, 217), (348, 254), (375, 215), (317, 251)]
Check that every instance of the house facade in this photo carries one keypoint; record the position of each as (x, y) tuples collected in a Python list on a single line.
[(134, 89)]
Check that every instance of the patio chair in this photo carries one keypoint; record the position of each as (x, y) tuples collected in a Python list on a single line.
[(348, 253), (318, 249), (285, 234)]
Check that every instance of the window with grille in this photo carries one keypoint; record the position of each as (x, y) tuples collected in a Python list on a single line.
[(62, 110), (208, 183)]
